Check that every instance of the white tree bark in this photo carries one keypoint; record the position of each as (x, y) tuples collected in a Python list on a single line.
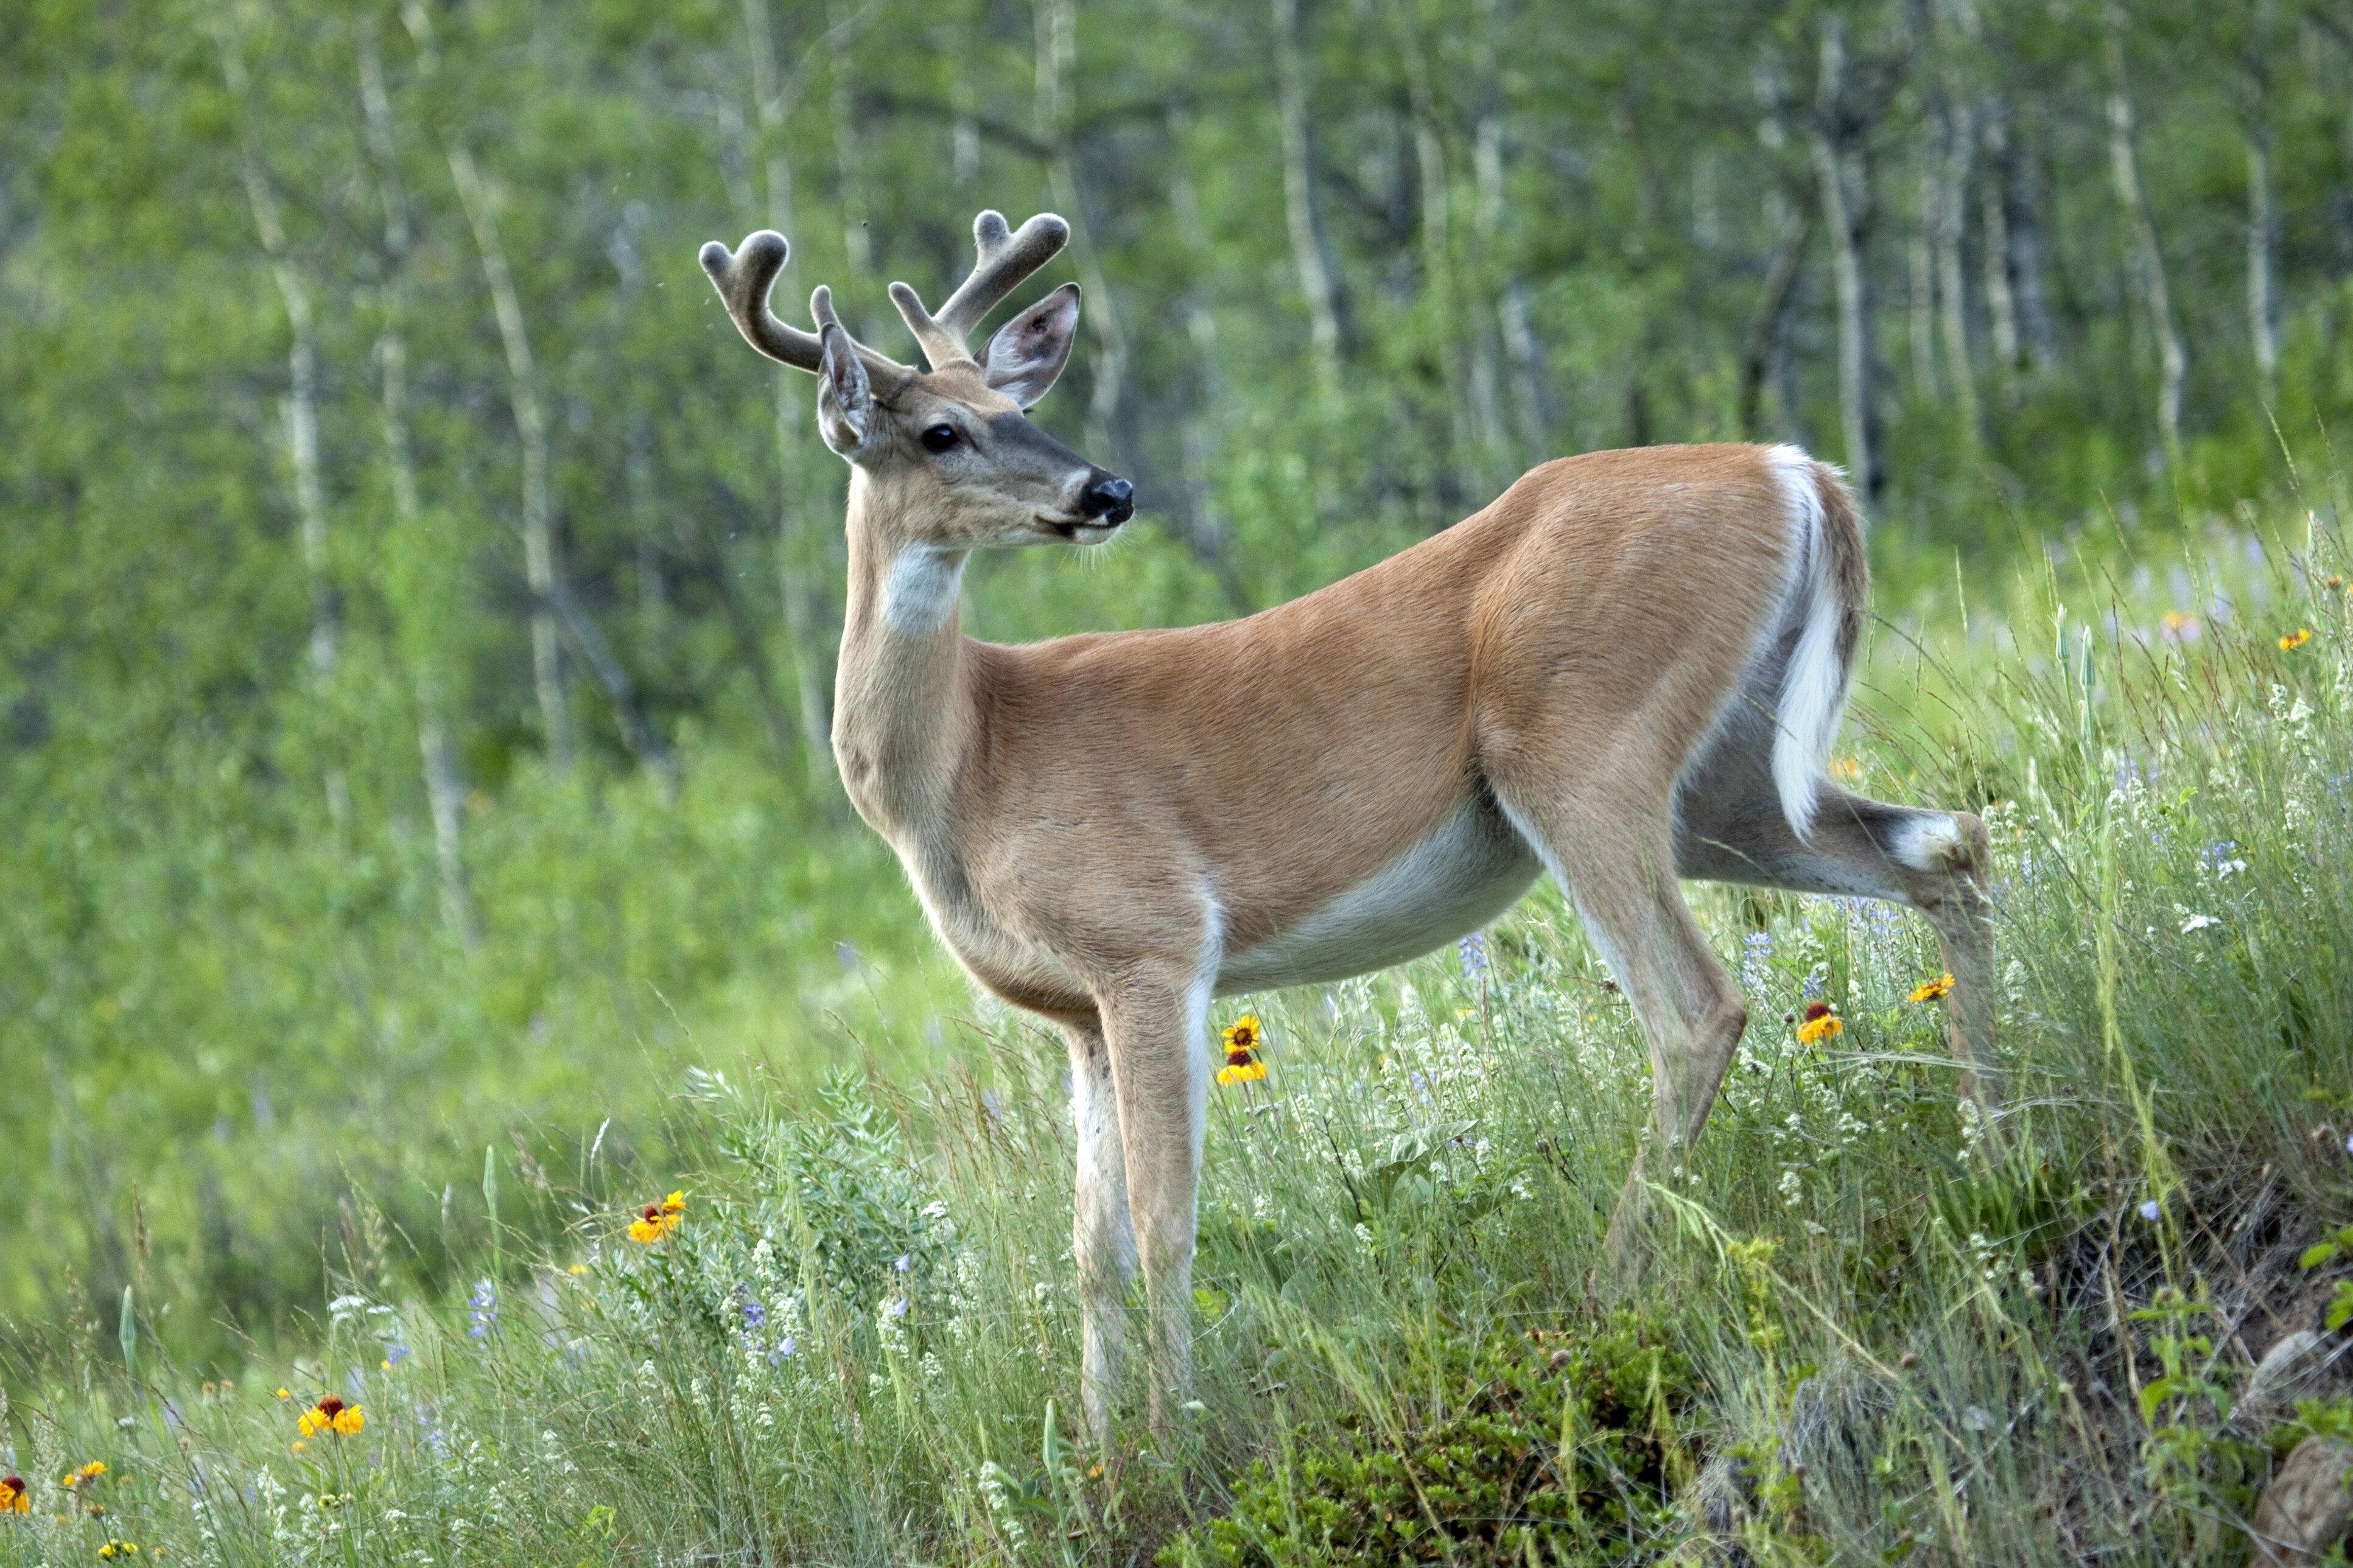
[(1056, 26), (1307, 255), (2173, 361), (2262, 243), (1843, 196), (445, 793), (531, 435), (301, 405)]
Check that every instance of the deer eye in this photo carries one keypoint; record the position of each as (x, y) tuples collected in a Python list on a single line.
[(939, 437)]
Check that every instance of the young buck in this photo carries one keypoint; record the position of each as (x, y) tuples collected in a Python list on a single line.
[(1625, 670)]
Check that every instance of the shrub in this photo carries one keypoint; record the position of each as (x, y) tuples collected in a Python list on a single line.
[(1558, 1444)]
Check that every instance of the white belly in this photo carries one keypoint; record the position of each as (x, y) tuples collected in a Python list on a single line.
[(1472, 868)]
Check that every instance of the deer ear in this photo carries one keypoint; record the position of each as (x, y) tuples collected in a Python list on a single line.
[(844, 399), (1029, 352)]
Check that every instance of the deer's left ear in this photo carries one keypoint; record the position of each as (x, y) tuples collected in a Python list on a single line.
[(1029, 352)]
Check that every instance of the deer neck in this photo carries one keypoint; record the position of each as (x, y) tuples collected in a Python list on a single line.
[(901, 714)]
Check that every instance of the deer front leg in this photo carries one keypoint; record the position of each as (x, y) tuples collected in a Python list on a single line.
[(1102, 1238), (1155, 1031)]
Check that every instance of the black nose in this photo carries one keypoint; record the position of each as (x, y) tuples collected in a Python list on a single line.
[(1109, 499)]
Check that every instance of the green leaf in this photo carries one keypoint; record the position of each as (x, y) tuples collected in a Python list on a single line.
[(2316, 1255)]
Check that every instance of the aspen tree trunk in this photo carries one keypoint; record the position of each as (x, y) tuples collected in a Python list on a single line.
[(793, 548), (2262, 239), (445, 792), (531, 434), (2262, 217), (1055, 25), (1307, 253), (1952, 287), (301, 405), (1993, 222), (1529, 395), (1845, 215), (2172, 359), (1760, 343), (1201, 438), (1486, 228), (1921, 313), (1957, 27), (1468, 477)]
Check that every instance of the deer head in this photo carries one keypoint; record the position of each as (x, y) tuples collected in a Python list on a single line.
[(943, 456)]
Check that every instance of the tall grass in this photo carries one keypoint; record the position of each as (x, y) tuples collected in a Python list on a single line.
[(1876, 1329)]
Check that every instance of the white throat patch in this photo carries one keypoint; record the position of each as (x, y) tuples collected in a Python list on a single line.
[(920, 591)]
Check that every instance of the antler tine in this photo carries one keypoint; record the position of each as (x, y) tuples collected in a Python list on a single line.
[(743, 278), (1005, 260), (940, 346)]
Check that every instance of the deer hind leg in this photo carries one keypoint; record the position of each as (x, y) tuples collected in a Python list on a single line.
[(1614, 857), (1730, 829), (1103, 1236), (1154, 1025)]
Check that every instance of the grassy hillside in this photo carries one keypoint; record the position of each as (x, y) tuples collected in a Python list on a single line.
[(1871, 1327)]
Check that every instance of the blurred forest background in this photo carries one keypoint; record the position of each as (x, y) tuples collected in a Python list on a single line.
[(417, 605)]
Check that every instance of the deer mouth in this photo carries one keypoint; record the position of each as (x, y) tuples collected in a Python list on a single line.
[(1083, 530)]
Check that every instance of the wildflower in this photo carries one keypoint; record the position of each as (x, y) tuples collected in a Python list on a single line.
[(1821, 1024), (331, 1414), (1242, 1041), (1755, 961), (1473, 949), (393, 1354), (283, 1395), (577, 1268), (118, 1549), (659, 1220), (2296, 639), (15, 1496), (2336, 582), (2149, 1210), (1848, 768), (1940, 987), (2198, 922), (484, 1316)]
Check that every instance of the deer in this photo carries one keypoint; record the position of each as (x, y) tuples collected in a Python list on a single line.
[(1627, 670)]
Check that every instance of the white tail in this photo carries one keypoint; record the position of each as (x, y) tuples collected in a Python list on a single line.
[(1815, 677), (1628, 668)]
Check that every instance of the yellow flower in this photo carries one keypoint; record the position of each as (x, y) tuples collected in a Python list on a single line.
[(2296, 639), (83, 1476), (1243, 1037), (329, 1414), (118, 1549), (1930, 991), (658, 1220), (1848, 768), (577, 1268), (1821, 1024), (16, 1497), (283, 1395)]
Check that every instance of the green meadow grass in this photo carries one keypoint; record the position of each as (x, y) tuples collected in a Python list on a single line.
[(1870, 1328)]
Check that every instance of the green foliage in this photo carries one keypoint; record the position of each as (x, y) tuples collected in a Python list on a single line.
[(256, 957), (1553, 1447)]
